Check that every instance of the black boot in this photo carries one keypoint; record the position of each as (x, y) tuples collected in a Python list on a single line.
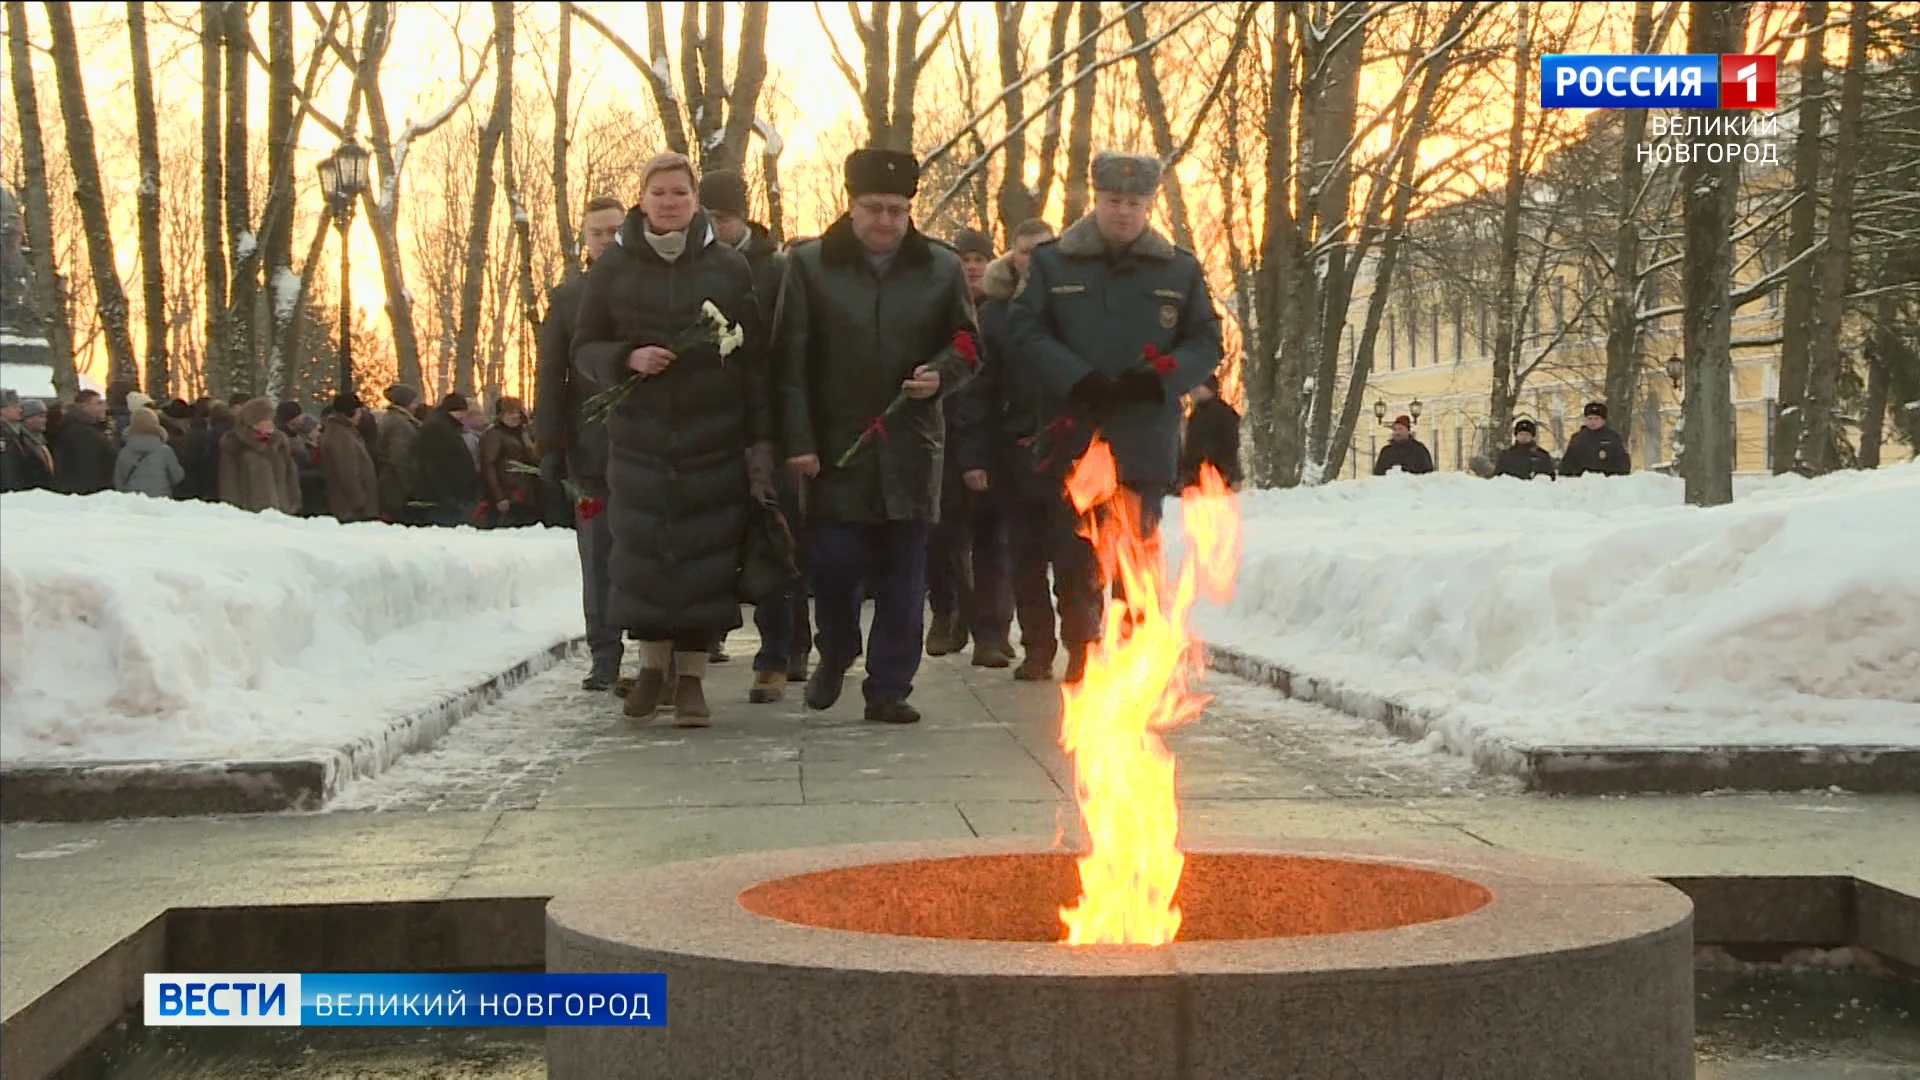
[(892, 712), (604, 673), (824, 688)]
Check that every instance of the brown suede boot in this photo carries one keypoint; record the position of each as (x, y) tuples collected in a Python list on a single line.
[(689, 694), (768, 686), (644, 699)]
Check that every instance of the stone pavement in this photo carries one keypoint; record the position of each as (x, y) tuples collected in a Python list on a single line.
[(550, 786)]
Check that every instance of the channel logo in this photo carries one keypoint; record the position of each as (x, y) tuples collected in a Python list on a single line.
[(1695, 81)]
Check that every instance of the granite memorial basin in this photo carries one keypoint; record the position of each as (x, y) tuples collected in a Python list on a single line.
[(1296, 959)]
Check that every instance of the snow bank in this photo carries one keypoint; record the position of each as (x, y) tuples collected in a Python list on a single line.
[(1598, 611), (138, 629)]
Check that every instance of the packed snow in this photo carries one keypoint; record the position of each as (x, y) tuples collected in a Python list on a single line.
[(136, 629), (1600, 611)]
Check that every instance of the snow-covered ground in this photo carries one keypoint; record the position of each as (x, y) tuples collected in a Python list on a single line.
[(1598, 611), (139, 629)]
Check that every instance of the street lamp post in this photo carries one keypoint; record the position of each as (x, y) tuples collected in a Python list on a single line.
[(1379, 412), (1413, 409), (1676, 372), (343, 177)]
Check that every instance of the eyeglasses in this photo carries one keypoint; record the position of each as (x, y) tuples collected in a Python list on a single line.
[(883, 209)]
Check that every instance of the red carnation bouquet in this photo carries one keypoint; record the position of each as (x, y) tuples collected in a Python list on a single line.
[(955, 362)]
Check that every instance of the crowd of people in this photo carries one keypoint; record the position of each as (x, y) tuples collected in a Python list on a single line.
[(408, 465), (869, 417)]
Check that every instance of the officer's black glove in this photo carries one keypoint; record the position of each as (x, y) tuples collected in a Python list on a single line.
[(1142, 385), (551, 466), (1095, 391)]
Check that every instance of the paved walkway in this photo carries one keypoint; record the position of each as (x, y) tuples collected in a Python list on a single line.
[(551, 787)]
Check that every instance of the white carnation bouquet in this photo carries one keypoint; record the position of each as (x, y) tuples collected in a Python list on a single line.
[(711, 328)]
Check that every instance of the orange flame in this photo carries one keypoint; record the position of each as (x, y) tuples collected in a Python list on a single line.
[(1135, 688)]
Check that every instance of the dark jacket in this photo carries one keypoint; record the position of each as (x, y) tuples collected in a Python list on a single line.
[(677, 469), (850, 338), (1600, 451), (1524, 462), (1082, 310), (353, 486), (201, 459), (1410, 456), (1015, 403), (83, 455), (501, 448), (558, 394), (25, 461), (445, 474), (1213, 438), (395, 454)]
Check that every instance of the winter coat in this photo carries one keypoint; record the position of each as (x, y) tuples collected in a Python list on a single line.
[(395, 455), (445, 472), (849, 340), (200, 457), (306, 464), (1013, 402), (25, 462), (1524, 462), (83, 456), (1082, 310), (147, 465), (353, 485), (500, 448), (1409, 456), (1601, 451), (677, 471), (559, 393), (258, 474), (1213, 438)]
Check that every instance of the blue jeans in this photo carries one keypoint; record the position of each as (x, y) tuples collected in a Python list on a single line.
[(889, 561)]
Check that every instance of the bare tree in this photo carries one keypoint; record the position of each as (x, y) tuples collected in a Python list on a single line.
[(212, 208), (483, 186), (1080, 133), (1623, 309), (894, 57), (1817, 452), (276, 240), (1016, 201), (152, 272), (110, 298), (243, 253), (1156, 108), (1712, 194), (39, 214), (562, 206), (1796, 322)]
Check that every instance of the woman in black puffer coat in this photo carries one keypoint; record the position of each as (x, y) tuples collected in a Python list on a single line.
[(689, 444)]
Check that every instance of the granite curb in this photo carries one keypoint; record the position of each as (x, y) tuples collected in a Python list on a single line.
[(1611, 770), (112, 790)]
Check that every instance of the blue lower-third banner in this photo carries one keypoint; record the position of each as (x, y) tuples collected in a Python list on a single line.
[(367, 1000)]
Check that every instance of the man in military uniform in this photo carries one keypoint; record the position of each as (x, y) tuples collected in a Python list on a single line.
[(1091, 303), (571, 450), (1596, 447), (866, 310), (786, 638)]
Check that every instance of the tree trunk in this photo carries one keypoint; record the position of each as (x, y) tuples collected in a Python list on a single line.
[(1080, 136), (1796, 321), (1056, 78), (1156, 108), (1623, 309), (702, 88), (562, 204), (212, 214), (38, 210), (1507, 344), (1014, 202), (110, 299), (770, 172), (383, 202), (1267, 397), (1819, 434), (658, 73), (906, 76), (277, 223), (1337, 53), (153, 280), (749, 77), (1713, 190), (1873, 414), (483, 185), (876, 46), (243, 281)]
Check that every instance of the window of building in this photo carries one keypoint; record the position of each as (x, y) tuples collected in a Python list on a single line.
[(1459, 331), (1436, 332), (1393, 355), (1459, 442), (1769, 262), (1413, 335), (1559, 304)]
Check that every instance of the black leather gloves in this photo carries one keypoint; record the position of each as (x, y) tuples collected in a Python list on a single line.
[(1142, 385), (1095, 391)]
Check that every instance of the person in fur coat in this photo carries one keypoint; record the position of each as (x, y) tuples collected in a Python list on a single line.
[(257, 471)]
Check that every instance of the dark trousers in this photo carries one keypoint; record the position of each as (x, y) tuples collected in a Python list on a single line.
[(595, 540), (887, 560), (786, 633), (967, 563), (1040, 537)]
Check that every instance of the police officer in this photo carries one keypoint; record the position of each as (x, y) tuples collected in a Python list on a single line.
[(1092, 302)]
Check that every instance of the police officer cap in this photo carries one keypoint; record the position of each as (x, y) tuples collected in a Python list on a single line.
[(873, 171), (1126, 174)]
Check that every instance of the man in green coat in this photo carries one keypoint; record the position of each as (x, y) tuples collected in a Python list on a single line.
[(1092, 302), (869, 307)]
